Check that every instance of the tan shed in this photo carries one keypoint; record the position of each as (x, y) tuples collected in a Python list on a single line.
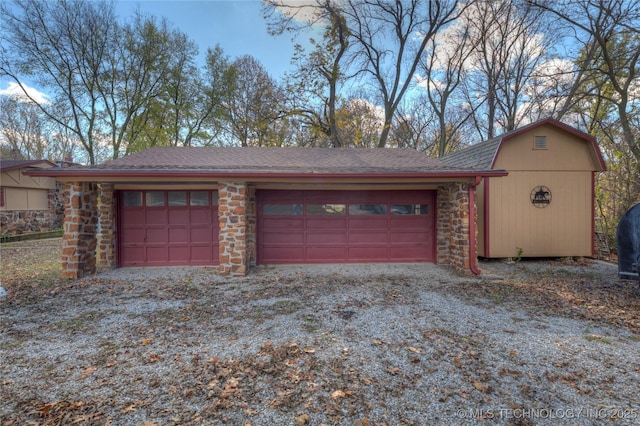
[(545, 206)]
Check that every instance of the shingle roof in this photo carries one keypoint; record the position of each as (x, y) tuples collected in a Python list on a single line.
[(17, 164), (277, 160), (478, 156)]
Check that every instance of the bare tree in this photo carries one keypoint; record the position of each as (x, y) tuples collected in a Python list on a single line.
[(391, 38), (508, 45), (608, 32), (445, 67), (319, 74), (413, 125), (22, 129)]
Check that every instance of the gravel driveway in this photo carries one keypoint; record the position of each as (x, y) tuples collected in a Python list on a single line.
[(333, 345)]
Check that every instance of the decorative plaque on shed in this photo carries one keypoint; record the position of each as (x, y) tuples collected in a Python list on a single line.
[(541, 196)]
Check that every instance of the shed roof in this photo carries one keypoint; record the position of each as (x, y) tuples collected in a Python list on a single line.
[(483, 155)]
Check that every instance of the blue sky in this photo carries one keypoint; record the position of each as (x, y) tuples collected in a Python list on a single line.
[(236, 25)]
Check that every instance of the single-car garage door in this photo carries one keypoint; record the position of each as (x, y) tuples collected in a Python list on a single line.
[(168, 228), (346, 226)]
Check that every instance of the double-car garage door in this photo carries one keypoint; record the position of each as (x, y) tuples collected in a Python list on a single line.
[(345, 226), (293, 226)]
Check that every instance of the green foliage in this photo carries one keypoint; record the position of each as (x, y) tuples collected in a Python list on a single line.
[(519, 252)]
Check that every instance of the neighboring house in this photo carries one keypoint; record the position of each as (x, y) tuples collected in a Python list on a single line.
[(28, 203), (239, 207), (545, 206)]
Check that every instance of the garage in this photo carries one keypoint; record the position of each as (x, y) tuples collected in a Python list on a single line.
[(159, 228), (316, 226), (237, 207)]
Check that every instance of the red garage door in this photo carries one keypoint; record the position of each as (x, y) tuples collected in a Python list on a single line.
[(168, 228), (346, 226)]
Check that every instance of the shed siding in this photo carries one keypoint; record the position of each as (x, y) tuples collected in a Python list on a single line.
[(563, 228), (481, 217)]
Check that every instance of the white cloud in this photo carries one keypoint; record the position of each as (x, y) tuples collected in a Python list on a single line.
[(14, 90), (306, 11)]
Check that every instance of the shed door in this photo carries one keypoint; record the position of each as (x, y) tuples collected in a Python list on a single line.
[(168, 228), (346, 226)]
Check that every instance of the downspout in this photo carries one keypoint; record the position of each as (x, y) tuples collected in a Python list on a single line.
[(593, 214), (473, 256)]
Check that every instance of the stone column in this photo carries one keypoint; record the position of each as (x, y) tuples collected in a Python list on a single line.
[(232, 239), (453, 226), (107, 234), (252, 220), (80, 222)]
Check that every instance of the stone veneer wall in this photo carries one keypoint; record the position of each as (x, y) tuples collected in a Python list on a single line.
[(106, 243), (80, 227), (233, 214), (453, 227), (252, 220), (16, 222)]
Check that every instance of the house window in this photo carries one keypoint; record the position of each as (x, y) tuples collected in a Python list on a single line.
[(540, 142), (1, 197)]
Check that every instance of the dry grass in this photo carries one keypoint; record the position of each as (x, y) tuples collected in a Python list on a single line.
[(31, 269), (578, 289)]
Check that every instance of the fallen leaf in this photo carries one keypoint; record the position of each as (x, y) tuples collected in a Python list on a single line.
[(457, 361), (153, 358), (482, 388), (302, 420), (415, 350), (338, 394), (87, 371), (145, 342), (394, 371), (309, 351), (129, 409)]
